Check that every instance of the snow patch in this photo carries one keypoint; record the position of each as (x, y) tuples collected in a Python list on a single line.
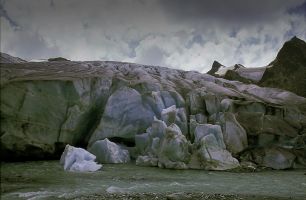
[(254, 74), (34, 195), (222, 70), (38, 60)]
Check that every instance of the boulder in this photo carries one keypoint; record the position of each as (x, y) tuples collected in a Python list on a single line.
[(251, 122), (294, 117), (173, 151), (168, 115), (146, 161), (155, 146), (248, 165), (278, 158), (196, 102), (250, 106), (300, 161), (215, 118), (175, 115), (142, 142), (276, 125), (227, 105), (201, 118), (211, 148), (266, 139), (165, 99), (158, 128), (192, 126), (202, 130), (234, 135), (215, 157), (212, 103), (109, 152), (78, 159), (181, 120)]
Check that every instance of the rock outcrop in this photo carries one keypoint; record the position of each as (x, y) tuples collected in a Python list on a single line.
[(214, 68), (109, 152), (57, 59), (6, 58), (237, 72), (288, 69), (163, 117), (286, 72)]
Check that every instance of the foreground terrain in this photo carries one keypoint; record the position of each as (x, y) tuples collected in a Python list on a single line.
[(47, 180)]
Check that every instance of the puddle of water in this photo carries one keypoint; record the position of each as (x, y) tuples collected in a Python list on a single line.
[(45, 179)]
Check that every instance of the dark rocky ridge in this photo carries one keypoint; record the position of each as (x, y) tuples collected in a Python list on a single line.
[(6, 58), (287, 71), (234, 76), (46, 105), (57, 59), (214, 68)]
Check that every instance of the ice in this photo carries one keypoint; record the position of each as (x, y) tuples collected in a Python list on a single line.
[(254, 74), (85, 165), (114, 189), (78, 159), (222, 70)]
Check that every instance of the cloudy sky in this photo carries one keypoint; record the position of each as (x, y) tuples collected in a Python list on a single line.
[(184, 34)]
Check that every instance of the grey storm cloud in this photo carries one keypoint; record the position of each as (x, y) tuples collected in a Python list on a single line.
[(3, 14), (182, 34), (238, 11)]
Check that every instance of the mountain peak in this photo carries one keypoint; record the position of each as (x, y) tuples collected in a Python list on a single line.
[(289, 68), (292, 51), (216, 64), (6, 58), (214, 68), (295, 39)]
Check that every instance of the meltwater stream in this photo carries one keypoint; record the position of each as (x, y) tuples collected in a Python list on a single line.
[(47, 180)]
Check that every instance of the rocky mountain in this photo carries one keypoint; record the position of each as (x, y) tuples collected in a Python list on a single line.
[(155, 115), (214, 68), (237, 72), (6, 58), (287, 71), (57, 59)]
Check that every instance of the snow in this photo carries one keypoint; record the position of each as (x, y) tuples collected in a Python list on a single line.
[(222, 70), (39, 60), (168, 110), (78, 159), (85, 165), (254, 74), (269, 66)]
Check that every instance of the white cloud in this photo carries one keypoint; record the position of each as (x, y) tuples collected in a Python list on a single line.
[(142, 31), (19, 42)]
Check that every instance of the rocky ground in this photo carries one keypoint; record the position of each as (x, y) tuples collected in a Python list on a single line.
[(180, 196), (47, 180)]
